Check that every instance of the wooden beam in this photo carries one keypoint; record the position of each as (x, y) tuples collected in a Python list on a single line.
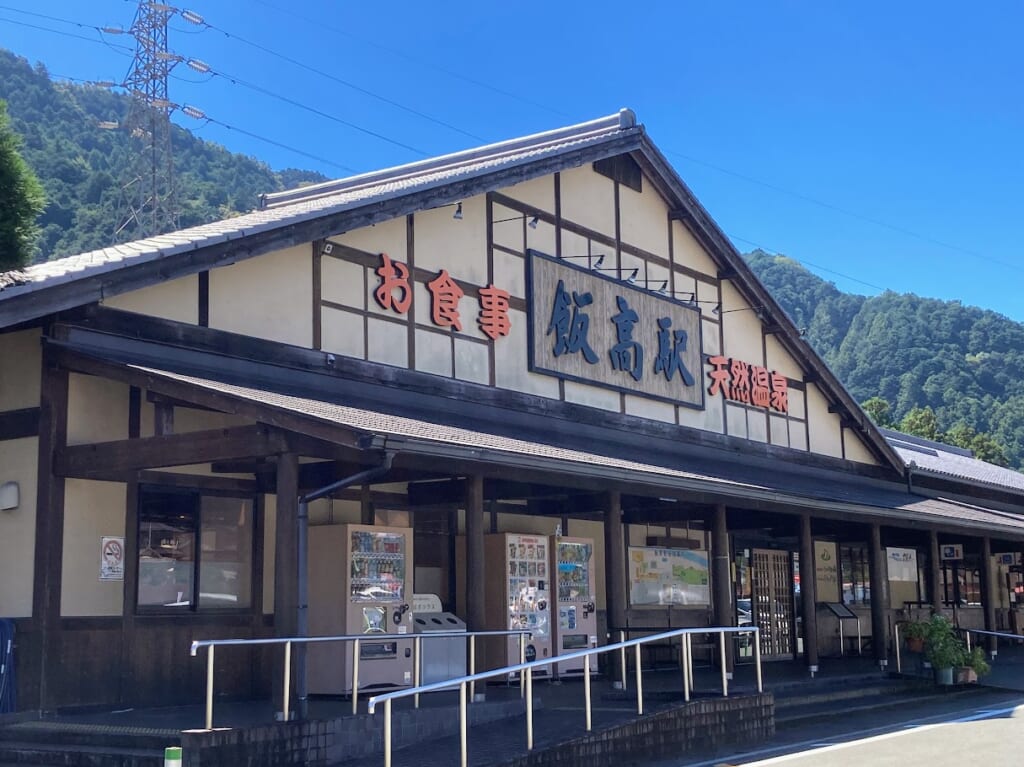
[(102, 459), (16, 424)]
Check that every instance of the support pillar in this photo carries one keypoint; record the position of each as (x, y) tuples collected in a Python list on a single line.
[(286, 574), (614, 574), (809, 595), (721, 577), (879, 597), (988, 591), (475, 605), (935, 572)]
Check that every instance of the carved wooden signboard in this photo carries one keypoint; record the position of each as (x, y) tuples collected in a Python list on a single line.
[(587, 327)]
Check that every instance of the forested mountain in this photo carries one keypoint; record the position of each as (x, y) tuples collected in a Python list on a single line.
[(79, 163), (965, 363)]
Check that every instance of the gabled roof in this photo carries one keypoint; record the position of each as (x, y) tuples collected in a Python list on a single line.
[(311, 213), (928, 456)]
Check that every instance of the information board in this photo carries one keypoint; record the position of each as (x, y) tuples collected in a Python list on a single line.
[(668, 576)]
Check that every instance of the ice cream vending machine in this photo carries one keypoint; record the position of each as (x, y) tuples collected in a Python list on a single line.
[(518, 597), (360, 582), (575, 611)]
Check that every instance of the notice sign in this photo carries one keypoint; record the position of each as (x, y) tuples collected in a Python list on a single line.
[(902, 564), (668, 576), (826, 571), (111, 558)]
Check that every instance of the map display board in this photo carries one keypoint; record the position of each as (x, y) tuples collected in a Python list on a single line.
[(668, 576)]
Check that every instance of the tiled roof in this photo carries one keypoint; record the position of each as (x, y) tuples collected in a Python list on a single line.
[(956, 462), (426, 437), (289, 208)]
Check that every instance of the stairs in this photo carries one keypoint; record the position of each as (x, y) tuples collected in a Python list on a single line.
[(53, 744)]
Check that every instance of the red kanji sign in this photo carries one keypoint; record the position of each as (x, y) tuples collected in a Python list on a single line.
[(751, 384), (493, 317), (445, 304), (394, 275)]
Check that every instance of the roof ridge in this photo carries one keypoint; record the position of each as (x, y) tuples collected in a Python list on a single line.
[(624, 119)]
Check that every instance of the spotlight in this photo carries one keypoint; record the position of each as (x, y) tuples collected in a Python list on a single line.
[(597, 264), (533, 222), (633, 275), (717, 309), (458, 212)]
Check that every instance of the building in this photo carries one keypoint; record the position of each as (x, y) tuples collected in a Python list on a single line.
[(549, 333)]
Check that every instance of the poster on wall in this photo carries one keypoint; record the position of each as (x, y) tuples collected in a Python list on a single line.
[(902, 564), (111, 558), (668, 576), (826, 571)]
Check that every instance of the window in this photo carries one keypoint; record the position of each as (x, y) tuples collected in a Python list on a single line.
[(855, 573), (177, 574), (961, 581)]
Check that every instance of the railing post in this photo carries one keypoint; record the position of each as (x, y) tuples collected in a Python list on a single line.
[(622, 660), (285, 716), (757, 658), (686, 667), (355, 677), (463, 748), (967, 635), (522, 659), (721, 660), (387, 733), (529, 708), (896, 641), (472, 665), (586, 688), (209, 687), (639, 682), (689, 661), (416, 670)]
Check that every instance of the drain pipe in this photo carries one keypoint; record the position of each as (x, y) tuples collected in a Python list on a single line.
[(302, 557)]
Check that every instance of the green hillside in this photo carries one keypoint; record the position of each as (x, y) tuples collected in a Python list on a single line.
[(79, 163), (965, 363)]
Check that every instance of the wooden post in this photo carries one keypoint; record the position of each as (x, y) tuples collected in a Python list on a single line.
[(809, 594), (988, 591), (879, 596), (721, 577), (475, 604), (935, 572), (49, 553), (614, 567), (286, 575)]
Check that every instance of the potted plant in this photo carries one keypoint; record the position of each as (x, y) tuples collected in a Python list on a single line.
[(943, 649), (975, 664), (914, 634)]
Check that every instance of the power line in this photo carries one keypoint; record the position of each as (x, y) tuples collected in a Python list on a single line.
[(346, 83), (278, 144), (112, 46)]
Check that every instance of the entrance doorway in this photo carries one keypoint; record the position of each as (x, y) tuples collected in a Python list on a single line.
[(772, 602)]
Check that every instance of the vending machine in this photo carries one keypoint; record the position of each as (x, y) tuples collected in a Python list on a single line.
[(360, 582), (518, 583), (576, 620)]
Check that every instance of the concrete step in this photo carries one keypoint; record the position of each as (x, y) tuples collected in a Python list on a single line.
[(806, 712), (81, 734)]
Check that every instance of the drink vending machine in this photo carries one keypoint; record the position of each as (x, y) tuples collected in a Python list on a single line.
[(517, 597), (360, 582), (574, 588)]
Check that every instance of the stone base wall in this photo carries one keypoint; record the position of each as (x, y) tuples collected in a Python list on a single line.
[(699, 725)]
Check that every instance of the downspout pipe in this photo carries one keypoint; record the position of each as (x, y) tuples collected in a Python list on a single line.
[(302, 557)]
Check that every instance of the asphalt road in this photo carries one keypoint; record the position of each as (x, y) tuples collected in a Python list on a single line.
[(983, 730)]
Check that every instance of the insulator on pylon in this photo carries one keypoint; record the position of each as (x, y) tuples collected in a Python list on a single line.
[(192, 17), (193, 112), (198, 66)]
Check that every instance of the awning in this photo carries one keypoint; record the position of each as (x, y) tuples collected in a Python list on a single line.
[(742, 484)]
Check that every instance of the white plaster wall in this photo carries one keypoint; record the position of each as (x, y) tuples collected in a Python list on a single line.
[(342, 333), (824, 426), (97, 409), (688, 252), (742, 328), (855, 448), (538, 192), (710, 337), (588, 199), (651, 409), (20, 369), (434, 353), (18, 463), (592, 396), (757, 425), (442, 242), (541, 237), (711, 418), (573, 245), (346, 283), (91, 510), (510, 367), (388, 342), (644, 219), (510, 274), (384, 237), (779, 360), (507, 228), (472, 360), (171, 300), (797, 404), (779, 430), (270, 296), (736, 418)]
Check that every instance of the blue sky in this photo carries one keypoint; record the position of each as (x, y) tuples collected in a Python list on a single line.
[(878, 143)]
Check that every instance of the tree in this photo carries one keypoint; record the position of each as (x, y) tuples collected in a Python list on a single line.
[(880, 411), (21, 200), (921, 422)]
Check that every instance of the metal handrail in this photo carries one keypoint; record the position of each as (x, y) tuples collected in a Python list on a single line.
[(526, 670), (417, 639)]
